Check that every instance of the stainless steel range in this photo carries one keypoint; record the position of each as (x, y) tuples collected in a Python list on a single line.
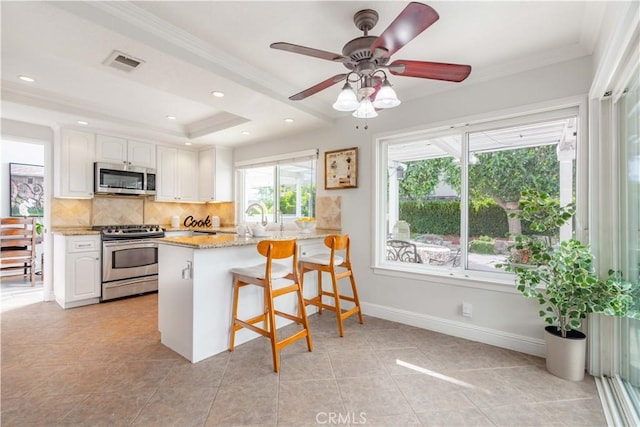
[(129, 259)]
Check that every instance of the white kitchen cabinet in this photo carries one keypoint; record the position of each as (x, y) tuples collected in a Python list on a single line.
[(76, 271), (74, 158), (215, 175), (112, 149), (177, 175)]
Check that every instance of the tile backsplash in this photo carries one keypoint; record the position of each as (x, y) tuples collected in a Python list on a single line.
[(71, 213), (117, 210), (113, 210), (329, 212)]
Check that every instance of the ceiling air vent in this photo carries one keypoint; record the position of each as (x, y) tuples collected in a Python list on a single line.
[(122, 61)]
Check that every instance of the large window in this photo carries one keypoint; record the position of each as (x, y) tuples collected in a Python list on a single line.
[(285, 188), (448, 195), (628, 340)]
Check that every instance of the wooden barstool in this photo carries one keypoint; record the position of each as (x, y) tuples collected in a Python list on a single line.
[(263, 275), (330, 263)]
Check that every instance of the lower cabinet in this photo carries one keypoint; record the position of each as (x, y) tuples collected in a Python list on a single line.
[(77, 270)]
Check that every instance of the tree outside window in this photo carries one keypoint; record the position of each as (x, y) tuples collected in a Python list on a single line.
[(500, 163)]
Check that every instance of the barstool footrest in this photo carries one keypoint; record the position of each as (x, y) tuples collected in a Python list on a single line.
[(343, 274), (295, 337), (348, 313), (244, 324), (289, 316), (316, 301), (287, 289)]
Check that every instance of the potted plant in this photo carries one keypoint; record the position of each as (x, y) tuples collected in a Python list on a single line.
[(561, 277)]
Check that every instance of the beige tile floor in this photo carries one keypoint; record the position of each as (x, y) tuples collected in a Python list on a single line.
[(103, 365)]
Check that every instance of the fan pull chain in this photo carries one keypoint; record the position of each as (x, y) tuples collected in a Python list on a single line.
[(366, 124)]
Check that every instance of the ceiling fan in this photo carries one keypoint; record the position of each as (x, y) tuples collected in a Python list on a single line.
[(366, 56)]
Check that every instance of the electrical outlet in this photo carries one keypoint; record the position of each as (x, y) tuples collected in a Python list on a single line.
[(467, 309)]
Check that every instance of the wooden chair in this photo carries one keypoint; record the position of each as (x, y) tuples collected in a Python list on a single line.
[(403, 251), (18, 248), (330, 263), (263, 275)]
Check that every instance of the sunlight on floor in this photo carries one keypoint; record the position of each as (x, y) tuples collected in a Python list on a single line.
[(434, 374), (17, 293)]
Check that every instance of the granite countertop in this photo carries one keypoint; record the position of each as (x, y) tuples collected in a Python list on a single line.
[(73, 231), (229, 240), (223, 229)]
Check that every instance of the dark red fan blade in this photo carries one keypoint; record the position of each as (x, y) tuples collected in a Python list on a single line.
[(316, 53), (317, 88), (430, 70), (414, 19)]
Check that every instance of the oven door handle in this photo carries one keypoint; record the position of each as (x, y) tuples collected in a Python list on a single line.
[(127, 243), (126, 282)]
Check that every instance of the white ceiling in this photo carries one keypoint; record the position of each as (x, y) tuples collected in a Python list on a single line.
[(193, 48)]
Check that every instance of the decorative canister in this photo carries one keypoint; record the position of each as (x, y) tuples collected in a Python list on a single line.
[(402, 230)]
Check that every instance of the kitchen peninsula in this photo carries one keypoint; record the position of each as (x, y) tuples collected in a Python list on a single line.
[(195, 289)]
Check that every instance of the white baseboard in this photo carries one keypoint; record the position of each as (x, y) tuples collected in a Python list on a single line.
[(493, 337)]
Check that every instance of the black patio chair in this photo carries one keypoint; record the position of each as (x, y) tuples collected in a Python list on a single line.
[(401, 250)]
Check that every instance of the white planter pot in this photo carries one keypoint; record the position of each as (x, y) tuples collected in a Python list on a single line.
[(566, 357)]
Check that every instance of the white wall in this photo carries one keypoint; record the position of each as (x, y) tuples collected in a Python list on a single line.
[(15, 152), (500, 315)]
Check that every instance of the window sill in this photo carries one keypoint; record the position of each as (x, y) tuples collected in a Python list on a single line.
[(468, 278)]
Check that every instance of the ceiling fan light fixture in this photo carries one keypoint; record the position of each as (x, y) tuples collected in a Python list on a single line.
[(365, 110), (386, 96), (347, 100)]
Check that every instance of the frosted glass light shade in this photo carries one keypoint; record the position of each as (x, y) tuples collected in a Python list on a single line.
[(386, 96), (365, 110), (347, 100)]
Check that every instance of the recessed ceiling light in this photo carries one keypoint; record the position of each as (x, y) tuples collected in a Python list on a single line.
[(82, 122), (27, 79), (188, 143), (171, 117), (288, 120), (246, 132), (217, 94)]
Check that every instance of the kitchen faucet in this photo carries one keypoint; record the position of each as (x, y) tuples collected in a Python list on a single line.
[(261, 208)]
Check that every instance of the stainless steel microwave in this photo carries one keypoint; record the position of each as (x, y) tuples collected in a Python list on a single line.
[(113, 178)]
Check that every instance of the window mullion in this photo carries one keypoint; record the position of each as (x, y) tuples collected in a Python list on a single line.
[(464, 200), (276, 193)]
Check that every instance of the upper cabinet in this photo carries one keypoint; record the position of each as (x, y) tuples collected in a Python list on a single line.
[(216, 175), (181, 175), (177, 175), (111, 149), (74, 159)]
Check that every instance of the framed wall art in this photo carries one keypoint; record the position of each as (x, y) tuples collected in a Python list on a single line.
[(341, 169), (27, 191)]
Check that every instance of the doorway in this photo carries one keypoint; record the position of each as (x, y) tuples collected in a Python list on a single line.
[(28, 143)]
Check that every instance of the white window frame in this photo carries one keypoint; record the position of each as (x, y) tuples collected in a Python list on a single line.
[(463, 277), (275, 161)]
